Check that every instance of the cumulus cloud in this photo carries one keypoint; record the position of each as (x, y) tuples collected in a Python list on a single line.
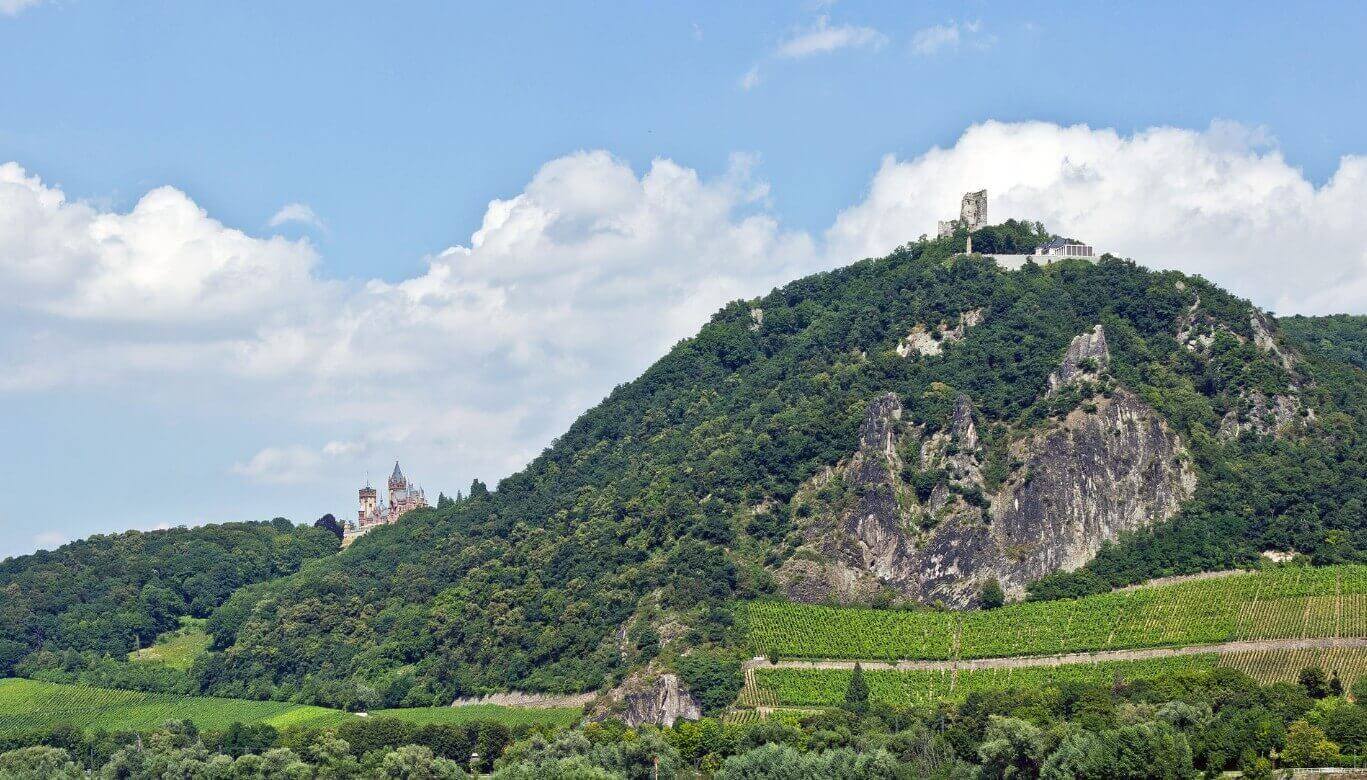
[(1221, 202), (300, 213), (165, 260), (932, 40), (823, 38), (585, 276)]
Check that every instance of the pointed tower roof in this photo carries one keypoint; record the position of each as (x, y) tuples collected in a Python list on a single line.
[(397, 475)]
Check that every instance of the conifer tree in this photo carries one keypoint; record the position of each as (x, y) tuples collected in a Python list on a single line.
[(857, 695)]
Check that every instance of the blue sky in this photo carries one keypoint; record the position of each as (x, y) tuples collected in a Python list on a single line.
[(194, 368)]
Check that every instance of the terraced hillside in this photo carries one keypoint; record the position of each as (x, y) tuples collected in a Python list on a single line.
[(32, 704), (791, 687), (1269, 624), (1279, 603)]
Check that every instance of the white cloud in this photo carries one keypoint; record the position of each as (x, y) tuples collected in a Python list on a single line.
[(281, 466), (751, 79), (587, 275), (822, 38), (48, 540), (13, 7), (932, 40), (301, 213), (163, 261), (1220, 202)]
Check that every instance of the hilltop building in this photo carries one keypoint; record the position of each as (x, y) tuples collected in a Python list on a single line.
[(403, 497), (1062, 247), (972, 215)]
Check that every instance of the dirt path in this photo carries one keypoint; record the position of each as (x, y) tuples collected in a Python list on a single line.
[(1017, 662)]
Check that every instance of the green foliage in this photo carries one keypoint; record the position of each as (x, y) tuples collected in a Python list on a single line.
[(648, 501), (1339, 337), (991, 596), (114, 594), (1314, 681), (1291, 602), (1174, 723), (1307, 745), (39, 763), (30, 704), (829, 687), (857, 692), (714, 677), (177, 649)]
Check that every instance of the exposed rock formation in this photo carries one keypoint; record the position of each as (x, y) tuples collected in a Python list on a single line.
[(1263, 338), (648, 696), (1087, 358), (1111, 466), (923, 341), (1263, 415)]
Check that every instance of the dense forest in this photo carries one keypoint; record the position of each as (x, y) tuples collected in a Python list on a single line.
[(642, 515), (108, 595), (1340, 337), (1170, 727)]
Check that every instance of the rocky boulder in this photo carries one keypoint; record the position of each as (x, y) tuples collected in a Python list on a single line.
[(648, 696)]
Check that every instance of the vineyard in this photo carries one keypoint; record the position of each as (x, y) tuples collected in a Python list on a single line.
[(1279, 603), (1269, 666), (30, 704), (826, 687), (510, 716)]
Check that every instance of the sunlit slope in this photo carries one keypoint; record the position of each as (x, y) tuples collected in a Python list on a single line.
[(1280, 603)]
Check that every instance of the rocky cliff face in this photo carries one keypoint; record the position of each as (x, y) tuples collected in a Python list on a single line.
[(648, 696), (1110, 466)]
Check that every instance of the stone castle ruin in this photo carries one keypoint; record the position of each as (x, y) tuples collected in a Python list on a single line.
[(972, 214)]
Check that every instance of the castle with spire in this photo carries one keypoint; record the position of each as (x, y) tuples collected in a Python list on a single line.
[(403, 497)]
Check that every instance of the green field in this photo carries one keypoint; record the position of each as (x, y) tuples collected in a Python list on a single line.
[(511, 716), (32, 704), (826, 687), (177, 649), (1278, 603), (29, 704)]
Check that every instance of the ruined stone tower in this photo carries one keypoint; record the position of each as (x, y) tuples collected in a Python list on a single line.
[(972, 215)]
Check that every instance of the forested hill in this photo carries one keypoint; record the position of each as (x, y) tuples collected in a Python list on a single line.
[(630, 535), (1336, 338), (110, 594)]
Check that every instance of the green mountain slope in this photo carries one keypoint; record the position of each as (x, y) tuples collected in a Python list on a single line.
[(628, 536), (109, 595)]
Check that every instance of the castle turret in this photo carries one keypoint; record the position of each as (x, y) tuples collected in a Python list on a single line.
[(368, 501)]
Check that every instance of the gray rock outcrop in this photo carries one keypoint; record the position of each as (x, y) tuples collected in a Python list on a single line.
[(1110, 466), (924, 341), (1087, 358), (648, 696)]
